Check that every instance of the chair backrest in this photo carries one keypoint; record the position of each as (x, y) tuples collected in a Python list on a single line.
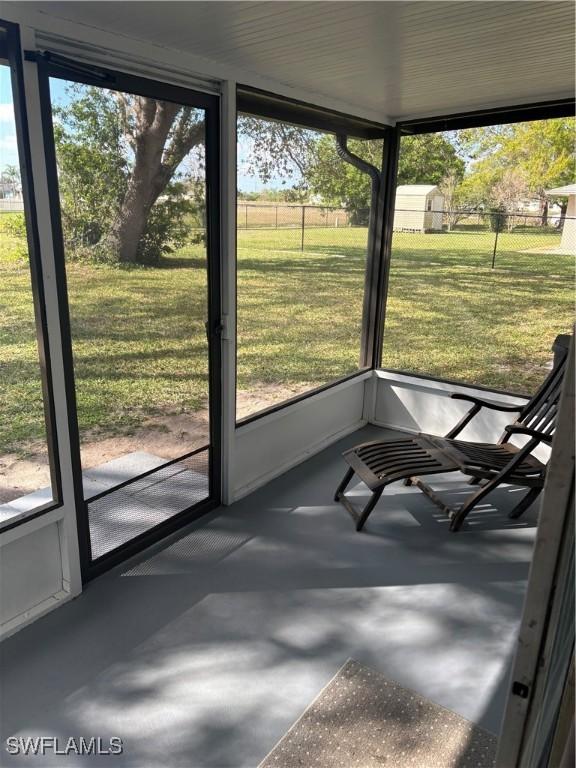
[(540, 412)]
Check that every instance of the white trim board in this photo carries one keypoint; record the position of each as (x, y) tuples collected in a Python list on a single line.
[(12, 626), (437, 386), (271, 445), (263, 479), (268, 418), (411, 404), (32, 581)]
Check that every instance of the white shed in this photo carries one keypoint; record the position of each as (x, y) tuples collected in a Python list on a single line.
[(568, 243), (418, 208)]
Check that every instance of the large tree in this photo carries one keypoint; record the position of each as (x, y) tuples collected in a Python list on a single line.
[(541, 153), (271, 149), (120, 161), (160, 135), (123, 181), (309, 162)]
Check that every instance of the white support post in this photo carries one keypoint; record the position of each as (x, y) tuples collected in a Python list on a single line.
[(228, 256), (69, 536)]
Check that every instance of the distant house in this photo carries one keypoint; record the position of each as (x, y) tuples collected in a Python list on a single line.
[(533, 207), (418, 208), (10, 196), (9, 189)]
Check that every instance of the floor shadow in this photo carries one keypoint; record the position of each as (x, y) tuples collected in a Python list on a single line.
[(205, 649)]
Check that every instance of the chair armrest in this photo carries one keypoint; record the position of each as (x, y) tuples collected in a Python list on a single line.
[(477, 404), (516, 429), (487, 403)]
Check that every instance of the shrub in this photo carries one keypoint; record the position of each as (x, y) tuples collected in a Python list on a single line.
[(497, 219), (13, 224)]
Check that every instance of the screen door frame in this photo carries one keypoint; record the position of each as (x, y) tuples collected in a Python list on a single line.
[(54, 66)]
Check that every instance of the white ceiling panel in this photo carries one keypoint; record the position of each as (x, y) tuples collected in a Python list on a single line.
[(402, 59)]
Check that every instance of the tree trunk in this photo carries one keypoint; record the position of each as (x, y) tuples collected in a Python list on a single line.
[(544, 209), (164, 134), (563, 208), (130, 223), (154, 119)]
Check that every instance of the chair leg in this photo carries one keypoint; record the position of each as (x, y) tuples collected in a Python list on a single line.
[(524, 503), (460, 515), (344, 484), (368, 508), (502, 476)]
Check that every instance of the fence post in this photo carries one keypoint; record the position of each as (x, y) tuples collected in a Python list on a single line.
[(303, 218), (495, 244), (276, 227), (246, 216)]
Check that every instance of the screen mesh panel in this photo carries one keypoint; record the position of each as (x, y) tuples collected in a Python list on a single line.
[(123, 514)]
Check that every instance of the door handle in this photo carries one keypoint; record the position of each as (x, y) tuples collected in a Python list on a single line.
[(218, 329)]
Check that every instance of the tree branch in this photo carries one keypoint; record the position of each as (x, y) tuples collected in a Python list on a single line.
[(185, 137)]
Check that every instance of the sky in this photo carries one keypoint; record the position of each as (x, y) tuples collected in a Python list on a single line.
[(9, 149), (8, 145)]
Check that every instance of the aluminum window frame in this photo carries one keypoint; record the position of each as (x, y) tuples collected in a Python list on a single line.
[(545, 110), (271, 106), (11, 52)]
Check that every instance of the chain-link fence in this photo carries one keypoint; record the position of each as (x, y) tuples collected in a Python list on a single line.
[(291, 215), (293, 226), (494, 238), (478, 297), (12, 205), (520, 241)]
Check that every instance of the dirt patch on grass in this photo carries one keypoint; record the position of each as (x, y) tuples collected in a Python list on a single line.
[(21, 476), (168, 436), (265, 396)]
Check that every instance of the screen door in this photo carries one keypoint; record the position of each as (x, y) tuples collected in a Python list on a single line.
[(135, 179)]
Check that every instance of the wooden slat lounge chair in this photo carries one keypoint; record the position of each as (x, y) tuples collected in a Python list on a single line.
[(379, 463)]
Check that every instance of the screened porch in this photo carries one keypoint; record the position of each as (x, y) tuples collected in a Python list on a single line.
[(236, 241)]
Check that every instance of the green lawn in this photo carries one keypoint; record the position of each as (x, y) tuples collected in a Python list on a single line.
[(140, 347)]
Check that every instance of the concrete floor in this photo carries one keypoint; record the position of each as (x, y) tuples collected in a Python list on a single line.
[(204, 652)]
